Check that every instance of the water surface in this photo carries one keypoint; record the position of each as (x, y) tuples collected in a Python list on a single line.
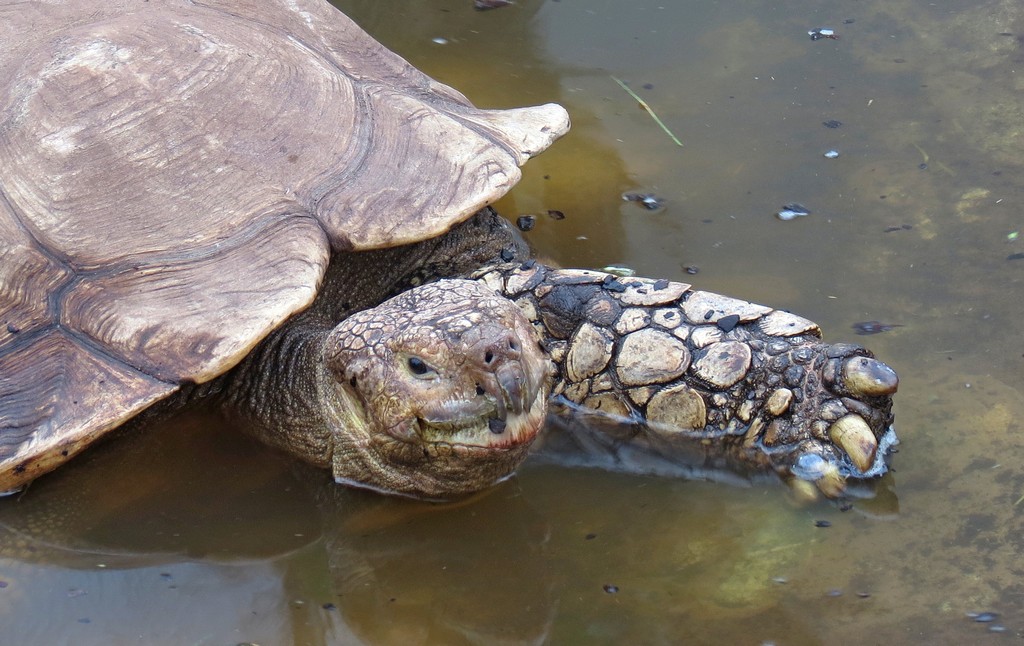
[(192, 535)]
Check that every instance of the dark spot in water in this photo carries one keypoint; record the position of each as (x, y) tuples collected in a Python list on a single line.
[(822, 523), (84, 620), (556, 215), (1015, 256), (329, 606), (648, 86), (484, 5), (3, 584), (526, 222), (590, 537), (849, 21), (728, 323), (900, 227), (923, 166), (292, 159), (831, 123), (865, 328), (611, 589), (692, 269), (649, 201), (983, 617)]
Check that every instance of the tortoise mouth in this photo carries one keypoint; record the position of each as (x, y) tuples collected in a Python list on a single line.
[(483, 429)]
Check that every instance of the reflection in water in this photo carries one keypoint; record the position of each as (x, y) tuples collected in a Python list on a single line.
[(205, 538)]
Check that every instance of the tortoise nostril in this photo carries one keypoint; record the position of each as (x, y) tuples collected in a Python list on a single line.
[(480, 390), (512, 345), (488, 357), (496, 426)]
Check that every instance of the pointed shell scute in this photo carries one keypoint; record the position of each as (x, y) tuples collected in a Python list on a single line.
[(679, 407), (707, 307), (723, 364), (651, 357), (779, 323), (668, 317), (589, 352), (648, 293), (704, 335), (632, 319)]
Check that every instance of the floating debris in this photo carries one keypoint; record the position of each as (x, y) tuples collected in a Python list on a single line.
[(831, 154), (643, 104), (1013, 235), (1015, 256), (526, 222), (864, 328), (832, 123), (791, 211), (899, 227), (611, 589), (439, 41), (983, 617), (484, 5), (822, 32), (618, 270), (822, 523), (692, 269), (834, 592), (649, 201)]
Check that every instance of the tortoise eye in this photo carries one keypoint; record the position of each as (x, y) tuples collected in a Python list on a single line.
[(419, 367)]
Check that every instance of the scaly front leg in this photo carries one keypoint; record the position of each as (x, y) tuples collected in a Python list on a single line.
[(681, 371)]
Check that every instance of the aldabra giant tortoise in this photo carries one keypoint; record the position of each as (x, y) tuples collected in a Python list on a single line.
[(181, 179)]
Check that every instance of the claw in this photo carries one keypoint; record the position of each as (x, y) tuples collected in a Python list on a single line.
[(853, 435), (831, 483), (866, 377)]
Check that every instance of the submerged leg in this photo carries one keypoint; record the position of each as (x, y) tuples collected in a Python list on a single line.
[(654, 368)]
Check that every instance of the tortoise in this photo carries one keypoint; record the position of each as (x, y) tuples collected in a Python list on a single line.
[(257, 204)]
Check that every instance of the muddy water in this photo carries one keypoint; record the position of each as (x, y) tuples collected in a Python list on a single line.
[(190, 535)]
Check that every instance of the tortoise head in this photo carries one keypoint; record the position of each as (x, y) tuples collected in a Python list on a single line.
[(440, 391)]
